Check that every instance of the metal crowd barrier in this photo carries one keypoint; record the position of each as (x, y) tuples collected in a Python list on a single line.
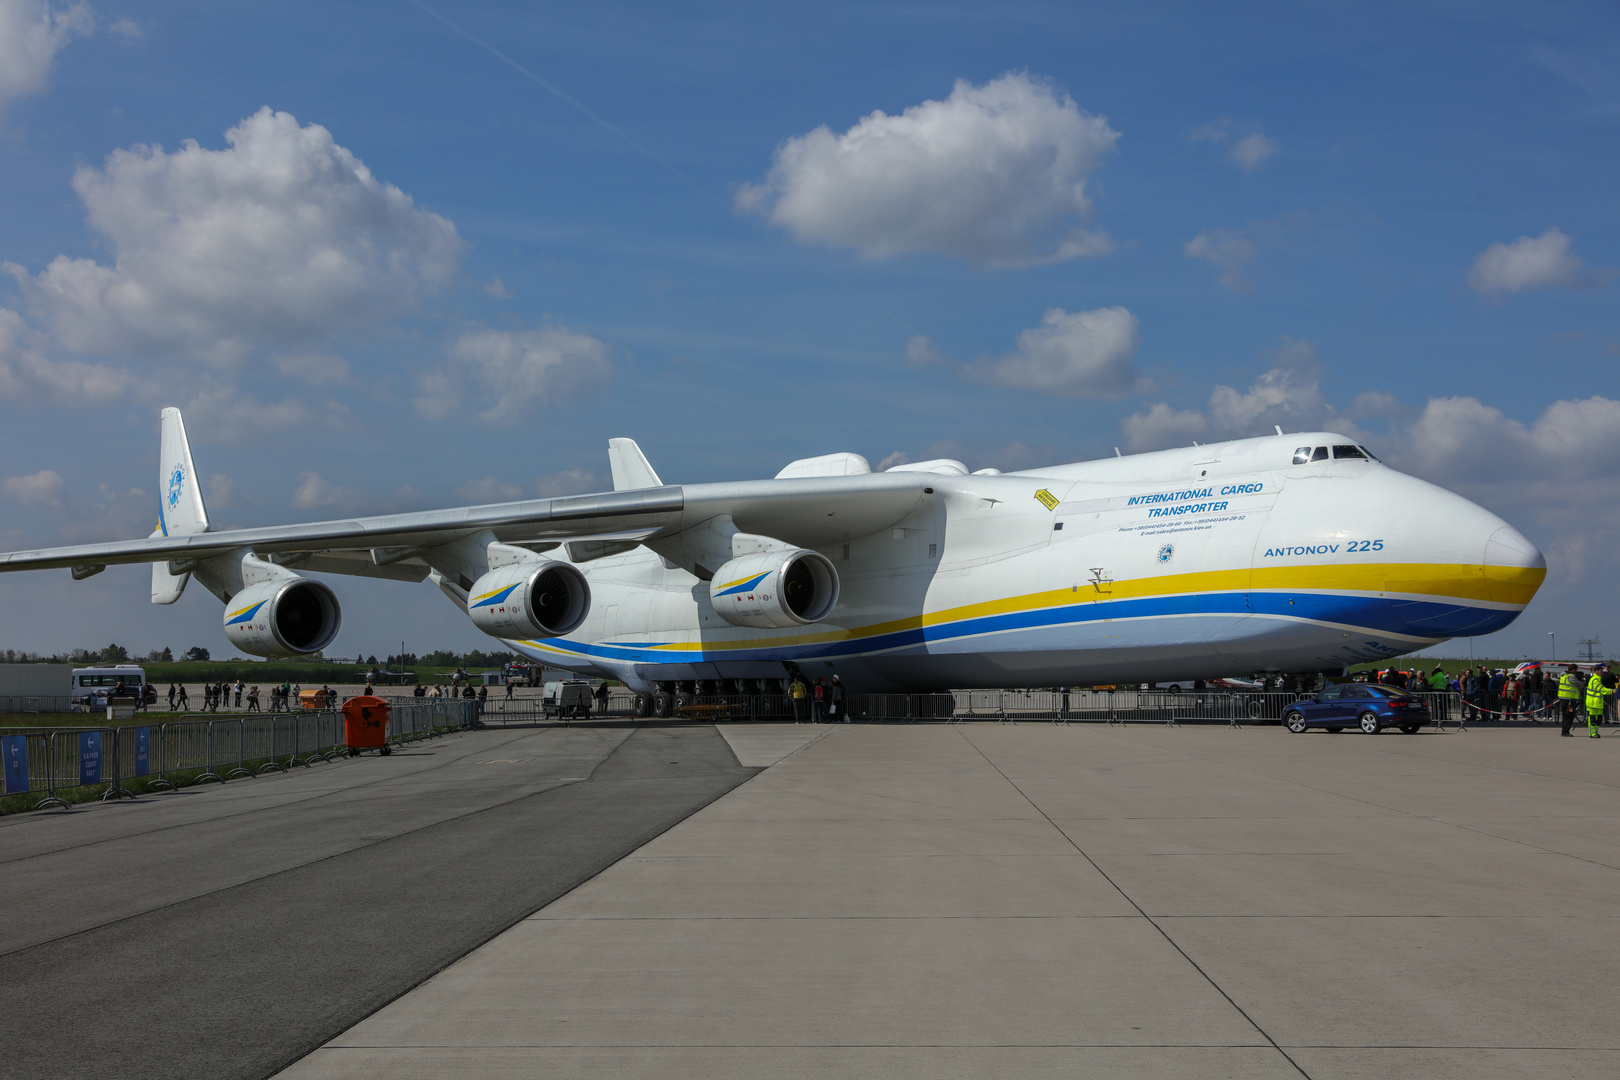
[(215, 747), (25, 703)]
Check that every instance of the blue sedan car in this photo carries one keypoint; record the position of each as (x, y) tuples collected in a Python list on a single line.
[(1369, 707)]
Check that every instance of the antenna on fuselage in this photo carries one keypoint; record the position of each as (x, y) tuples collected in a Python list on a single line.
[(1278, 427), (1117, 453)]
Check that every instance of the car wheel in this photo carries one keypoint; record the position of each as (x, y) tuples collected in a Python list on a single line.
[(1369, 722), (1295, 721), (1410, 729)]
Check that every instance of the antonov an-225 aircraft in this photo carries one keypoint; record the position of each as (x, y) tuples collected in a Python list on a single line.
[(1287, 553)]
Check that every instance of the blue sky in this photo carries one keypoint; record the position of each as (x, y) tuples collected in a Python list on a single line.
[(447, 253)]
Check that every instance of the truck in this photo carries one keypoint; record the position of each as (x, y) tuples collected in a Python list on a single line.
[(567, 698)]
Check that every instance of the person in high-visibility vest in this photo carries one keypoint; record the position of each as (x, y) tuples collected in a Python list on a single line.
[(1596, 693), (1569, 692)]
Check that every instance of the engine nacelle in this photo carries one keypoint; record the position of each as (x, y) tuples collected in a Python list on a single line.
[(529, 599), (770, 589), (288, 617)]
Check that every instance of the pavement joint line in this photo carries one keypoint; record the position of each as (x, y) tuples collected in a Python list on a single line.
[(159, 799), (1397, 810), (1150, 919), (287, 870)]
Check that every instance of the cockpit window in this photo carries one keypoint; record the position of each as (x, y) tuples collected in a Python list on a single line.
[(1302, 456), (1370, 454), (1320, 454), (1349, 452)]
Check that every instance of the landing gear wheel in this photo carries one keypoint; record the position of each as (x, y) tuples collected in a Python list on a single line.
[(1369, 722), (1410, 729), (644, 704), (682, 700), (1295, 721), (663, 704)]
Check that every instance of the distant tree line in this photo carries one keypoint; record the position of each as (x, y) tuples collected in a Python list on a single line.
[(117, 654)]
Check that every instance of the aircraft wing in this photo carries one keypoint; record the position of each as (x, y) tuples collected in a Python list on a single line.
[(806, 511)]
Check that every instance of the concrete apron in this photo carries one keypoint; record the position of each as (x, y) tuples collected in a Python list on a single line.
[(945, 901)]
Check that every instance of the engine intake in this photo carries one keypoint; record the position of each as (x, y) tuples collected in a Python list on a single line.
[(530, 599), (770, 589), (290, 617)]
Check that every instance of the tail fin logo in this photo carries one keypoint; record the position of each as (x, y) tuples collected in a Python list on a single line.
[(177, 480)]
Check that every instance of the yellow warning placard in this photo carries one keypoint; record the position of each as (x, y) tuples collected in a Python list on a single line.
[(1047, 499)]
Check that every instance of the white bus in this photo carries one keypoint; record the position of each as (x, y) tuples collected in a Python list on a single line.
[(92, 685)]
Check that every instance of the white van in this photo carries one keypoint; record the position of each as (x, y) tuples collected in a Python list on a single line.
[(92, 685)]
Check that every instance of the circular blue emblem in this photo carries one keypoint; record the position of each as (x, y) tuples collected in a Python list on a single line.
[(177, 480), (1166, 552)]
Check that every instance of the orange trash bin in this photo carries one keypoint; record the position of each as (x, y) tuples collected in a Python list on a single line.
[(365, 724)]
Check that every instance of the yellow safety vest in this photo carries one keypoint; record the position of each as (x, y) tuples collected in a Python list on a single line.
[(1569, 686), (1595, 693)]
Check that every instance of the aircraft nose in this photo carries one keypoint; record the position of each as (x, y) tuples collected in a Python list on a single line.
[(1520, 566)]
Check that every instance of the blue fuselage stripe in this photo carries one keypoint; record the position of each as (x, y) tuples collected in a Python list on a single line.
[(1372, 614)]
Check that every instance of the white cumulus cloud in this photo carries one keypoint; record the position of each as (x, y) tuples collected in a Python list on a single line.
[(1084, 354), (27, 373), (1161, 426), (285, 236), (32, 32), (994, 175), (1228, 250), (508, 375), (490, 489), (316, 491), (1289, 393), (1530, 262), (43, 488), (1249, 151)]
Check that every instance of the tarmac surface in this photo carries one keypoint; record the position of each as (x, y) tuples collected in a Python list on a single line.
[(227, 931), (939, 901)]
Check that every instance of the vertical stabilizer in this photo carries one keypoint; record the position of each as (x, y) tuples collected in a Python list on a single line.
[(630, 467), (180, 502)]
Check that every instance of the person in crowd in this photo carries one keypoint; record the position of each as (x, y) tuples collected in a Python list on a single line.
[(1611, 683), (1494, 692), (253, 699), (508, 689), (420, 691), (1597, 696), (328, 698), (483, 694), (368, 691), (171, 697), (797, 694), (1569, 693), (837, 703), (601, 698), (818, 701), (239, 689), (468, 691), (181, 701), (1437, 680)]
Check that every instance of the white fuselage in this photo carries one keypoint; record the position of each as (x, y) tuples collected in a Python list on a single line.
[(1188, 563)]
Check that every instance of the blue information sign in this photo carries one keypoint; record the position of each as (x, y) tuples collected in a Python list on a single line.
[(89, 757), (14, 748), (143, 756)]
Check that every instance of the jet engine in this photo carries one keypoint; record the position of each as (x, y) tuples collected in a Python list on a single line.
[(286, 617), (771, 589), (529, 599)]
